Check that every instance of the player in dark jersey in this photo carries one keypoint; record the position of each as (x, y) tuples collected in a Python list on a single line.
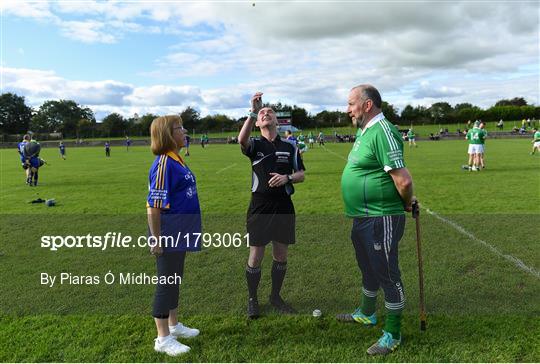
[(31, 155), (62, 149), (186, 147), (24, 163)]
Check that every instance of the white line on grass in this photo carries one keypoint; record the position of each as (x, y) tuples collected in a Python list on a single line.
[(493, 249), (223, 169), (517, 262), (334, 153)]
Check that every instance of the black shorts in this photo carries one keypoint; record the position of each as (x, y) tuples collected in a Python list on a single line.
[(270, 219)]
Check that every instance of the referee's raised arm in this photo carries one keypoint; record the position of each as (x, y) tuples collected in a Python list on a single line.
[(245, 132)]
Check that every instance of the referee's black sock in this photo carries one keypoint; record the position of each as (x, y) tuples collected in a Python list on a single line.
[(253, 277), (278, 275)]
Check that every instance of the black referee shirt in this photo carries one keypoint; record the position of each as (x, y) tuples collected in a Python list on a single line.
[(280, 156)]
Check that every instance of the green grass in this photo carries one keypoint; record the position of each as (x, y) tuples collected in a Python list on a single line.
[(481, 307)]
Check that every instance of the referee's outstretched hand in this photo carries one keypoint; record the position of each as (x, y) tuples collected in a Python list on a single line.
[(256, 102)]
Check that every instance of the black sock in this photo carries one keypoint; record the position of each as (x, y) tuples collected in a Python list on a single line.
[(35, 177), (278, 275), (253, 277)]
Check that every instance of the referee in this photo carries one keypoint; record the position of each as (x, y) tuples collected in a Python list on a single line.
[(276, 165), (377, 189)]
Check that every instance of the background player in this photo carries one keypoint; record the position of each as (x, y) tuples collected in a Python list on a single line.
[(290, 136), (31, 156), (311, 139), (128, 143), (535, 141), (62, 149), (412, 138), (476, 137), (24, 163), (186, 147), (321, 138)]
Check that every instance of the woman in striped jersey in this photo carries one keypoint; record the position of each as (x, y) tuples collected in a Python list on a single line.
[(174, 221)]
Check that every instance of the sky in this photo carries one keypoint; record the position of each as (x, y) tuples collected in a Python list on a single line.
[(163, 56)]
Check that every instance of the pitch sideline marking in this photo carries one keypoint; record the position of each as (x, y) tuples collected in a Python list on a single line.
[(517, 262), (223, 169)]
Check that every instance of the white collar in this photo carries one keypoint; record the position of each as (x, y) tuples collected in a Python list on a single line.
[(372, 122)]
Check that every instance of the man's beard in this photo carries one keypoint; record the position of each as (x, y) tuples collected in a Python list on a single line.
[(359, 123)]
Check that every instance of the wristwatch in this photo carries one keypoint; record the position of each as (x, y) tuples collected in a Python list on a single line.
[(289, 177)]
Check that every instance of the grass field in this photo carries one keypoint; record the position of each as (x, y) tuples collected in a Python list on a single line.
[(480, 247)]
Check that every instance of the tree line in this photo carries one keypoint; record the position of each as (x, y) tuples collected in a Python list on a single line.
[(72, 120)]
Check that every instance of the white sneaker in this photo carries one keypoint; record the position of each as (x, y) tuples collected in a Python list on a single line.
[(170, 346), (183, 331)]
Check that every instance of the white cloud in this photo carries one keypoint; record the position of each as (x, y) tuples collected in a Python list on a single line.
[(299, 52), (160, 95), (89, 31), (427, 91), (36, 10)]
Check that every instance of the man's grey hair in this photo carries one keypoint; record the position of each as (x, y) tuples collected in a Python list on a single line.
[(369, 92)]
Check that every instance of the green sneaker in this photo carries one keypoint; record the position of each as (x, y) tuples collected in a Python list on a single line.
[(385, 345), (358, 316)]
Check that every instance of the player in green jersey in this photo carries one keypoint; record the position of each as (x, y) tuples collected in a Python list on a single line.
[(321, 138), (536, 141), (476, 137), (377, 189), (311, 139), (483, 141), (412, 138), (302, 147)]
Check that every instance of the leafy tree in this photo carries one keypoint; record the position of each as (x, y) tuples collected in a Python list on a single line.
[(511, 112), (462, 106), (86, 128), (15, 116), (390, 112), (145, 122), (114, 125), (469, 113), (331, 118), (516, 101), (440, 112), (190, 118), (60, 116), (415, 115)]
